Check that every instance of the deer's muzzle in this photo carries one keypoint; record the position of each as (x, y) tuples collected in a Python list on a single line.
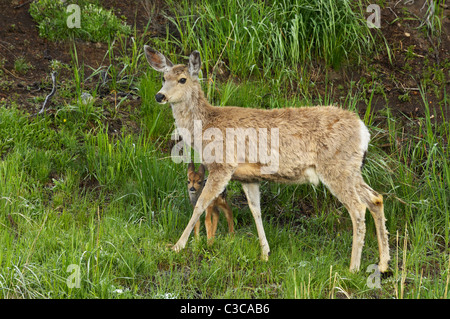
[(160, 97)]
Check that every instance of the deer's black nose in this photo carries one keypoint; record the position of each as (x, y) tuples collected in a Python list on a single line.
[(159, 97), (192, 189)]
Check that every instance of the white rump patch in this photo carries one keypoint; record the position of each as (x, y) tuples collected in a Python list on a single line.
[(364, 136), (311, 176)]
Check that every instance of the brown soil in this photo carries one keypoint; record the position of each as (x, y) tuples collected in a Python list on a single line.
[(19, 38), (406, 71)]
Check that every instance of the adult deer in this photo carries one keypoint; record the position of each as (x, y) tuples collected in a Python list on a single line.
[(312, 144)]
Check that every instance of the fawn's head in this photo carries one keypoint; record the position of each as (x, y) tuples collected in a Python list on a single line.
[(178, 79), (195, 179)]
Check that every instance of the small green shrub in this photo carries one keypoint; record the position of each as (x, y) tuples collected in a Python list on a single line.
[(21, 65), (97, 23)]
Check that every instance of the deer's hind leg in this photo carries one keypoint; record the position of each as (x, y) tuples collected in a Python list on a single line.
[(357, 210), (357, 214), (341, 183), (374, 202)]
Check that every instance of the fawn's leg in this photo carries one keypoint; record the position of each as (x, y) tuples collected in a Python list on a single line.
[(215, 221), (252, 192), (211, 219), (197, 229), (228, 214)]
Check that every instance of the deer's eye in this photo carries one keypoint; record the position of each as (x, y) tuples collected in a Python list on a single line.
[(182, 80)]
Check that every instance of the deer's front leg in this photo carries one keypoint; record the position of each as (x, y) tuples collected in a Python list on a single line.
[(216, 183)]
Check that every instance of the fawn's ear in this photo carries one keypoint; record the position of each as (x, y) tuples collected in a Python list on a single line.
[(191, 168), (201, 170), (195, 64), (157, 60)]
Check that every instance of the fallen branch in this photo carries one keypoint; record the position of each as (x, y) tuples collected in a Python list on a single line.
[(51, 93), (23, 4)]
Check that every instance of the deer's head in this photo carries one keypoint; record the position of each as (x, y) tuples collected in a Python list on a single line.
[(178, 79), (196, 180)]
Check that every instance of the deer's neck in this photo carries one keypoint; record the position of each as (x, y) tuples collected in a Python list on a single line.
[(195, 107)]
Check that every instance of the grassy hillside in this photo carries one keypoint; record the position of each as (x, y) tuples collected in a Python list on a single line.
[(90, 200)]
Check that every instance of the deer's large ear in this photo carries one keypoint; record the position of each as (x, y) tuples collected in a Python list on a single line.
[(191, 168), (201, 169), (156, 60), (195, 64)]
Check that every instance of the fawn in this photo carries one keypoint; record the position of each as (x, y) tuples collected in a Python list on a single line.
[(196, 182), (308, 144)]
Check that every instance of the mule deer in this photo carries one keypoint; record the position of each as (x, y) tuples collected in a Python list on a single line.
[(196, 182), (322, 143)]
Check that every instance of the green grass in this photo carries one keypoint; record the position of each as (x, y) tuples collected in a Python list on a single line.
[(73, 194), (272, 38)]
